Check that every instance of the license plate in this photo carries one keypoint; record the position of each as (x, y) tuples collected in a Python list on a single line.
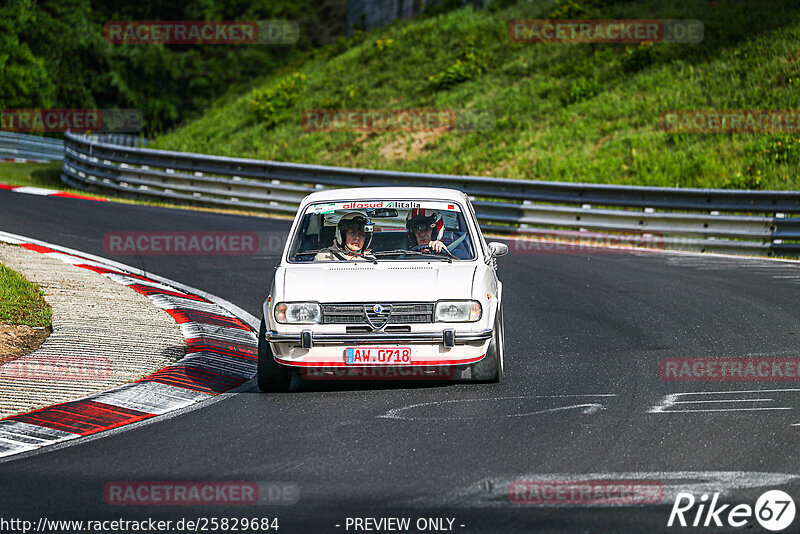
[(378, 355)]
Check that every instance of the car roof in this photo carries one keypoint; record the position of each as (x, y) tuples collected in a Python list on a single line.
[(390, 193)]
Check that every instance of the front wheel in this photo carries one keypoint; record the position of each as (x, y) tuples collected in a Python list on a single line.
[(272, 377), (490, 368)]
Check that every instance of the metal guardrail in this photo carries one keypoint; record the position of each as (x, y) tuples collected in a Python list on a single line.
[(30, 147), (18, 146), (733, 221)]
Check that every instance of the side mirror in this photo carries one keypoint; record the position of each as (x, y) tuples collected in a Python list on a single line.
[(498, 249)]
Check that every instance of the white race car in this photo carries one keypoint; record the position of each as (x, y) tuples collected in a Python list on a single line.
[(384, 278)]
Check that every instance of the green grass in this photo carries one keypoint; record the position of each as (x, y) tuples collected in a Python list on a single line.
[(567, 112), (22, 302), (44, 175)]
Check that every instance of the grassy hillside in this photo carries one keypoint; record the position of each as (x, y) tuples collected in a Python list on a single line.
[(570, 112)]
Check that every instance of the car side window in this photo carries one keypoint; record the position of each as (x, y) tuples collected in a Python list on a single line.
[(481, 239)]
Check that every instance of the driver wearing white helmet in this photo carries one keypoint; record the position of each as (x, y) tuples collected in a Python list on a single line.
[(351, 241)]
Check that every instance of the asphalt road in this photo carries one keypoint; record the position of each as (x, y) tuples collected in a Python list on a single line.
[(583, 398)]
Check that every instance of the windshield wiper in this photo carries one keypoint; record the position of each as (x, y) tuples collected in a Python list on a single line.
[(415, 253)]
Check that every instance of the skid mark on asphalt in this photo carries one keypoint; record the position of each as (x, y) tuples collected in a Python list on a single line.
[(495, 405)]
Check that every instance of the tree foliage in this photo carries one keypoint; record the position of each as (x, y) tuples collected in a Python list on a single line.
[(53, 54)]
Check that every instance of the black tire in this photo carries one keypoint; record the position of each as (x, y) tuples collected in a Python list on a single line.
[(490, 368), (272, 377)]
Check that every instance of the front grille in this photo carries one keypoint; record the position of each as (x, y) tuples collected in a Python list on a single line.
[(367, 329), (353, 313)]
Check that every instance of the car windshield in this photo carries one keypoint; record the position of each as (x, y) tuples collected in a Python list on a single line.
[(377, 230)]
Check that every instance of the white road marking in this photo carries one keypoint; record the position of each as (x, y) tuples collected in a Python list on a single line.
[(193, 330), (9, 448), (224, 365), (151, 397), (16, 437), (130, 280), (723, 400), (72, 260), (35, 190), (16, 430), (673, 399), (731, 409), (170, 302)]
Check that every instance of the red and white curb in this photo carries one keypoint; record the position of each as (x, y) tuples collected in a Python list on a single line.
[(221, 355), (28, 190)]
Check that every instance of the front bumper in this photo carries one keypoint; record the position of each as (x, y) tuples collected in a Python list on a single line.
[(327, 349), (447, 337)]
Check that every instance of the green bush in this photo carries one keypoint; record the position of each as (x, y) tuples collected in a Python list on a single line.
[(570, 9), (270, 104), (638, 58), (471, 63), (343, 44), (778, 149), (750, 178), (440, 7), (24, 78), (582, 90), (384, 44), (340, 98)]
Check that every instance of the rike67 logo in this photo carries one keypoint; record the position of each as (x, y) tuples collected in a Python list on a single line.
[(774, 510)]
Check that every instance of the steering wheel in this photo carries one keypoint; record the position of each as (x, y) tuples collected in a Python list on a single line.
[(423, 247)]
